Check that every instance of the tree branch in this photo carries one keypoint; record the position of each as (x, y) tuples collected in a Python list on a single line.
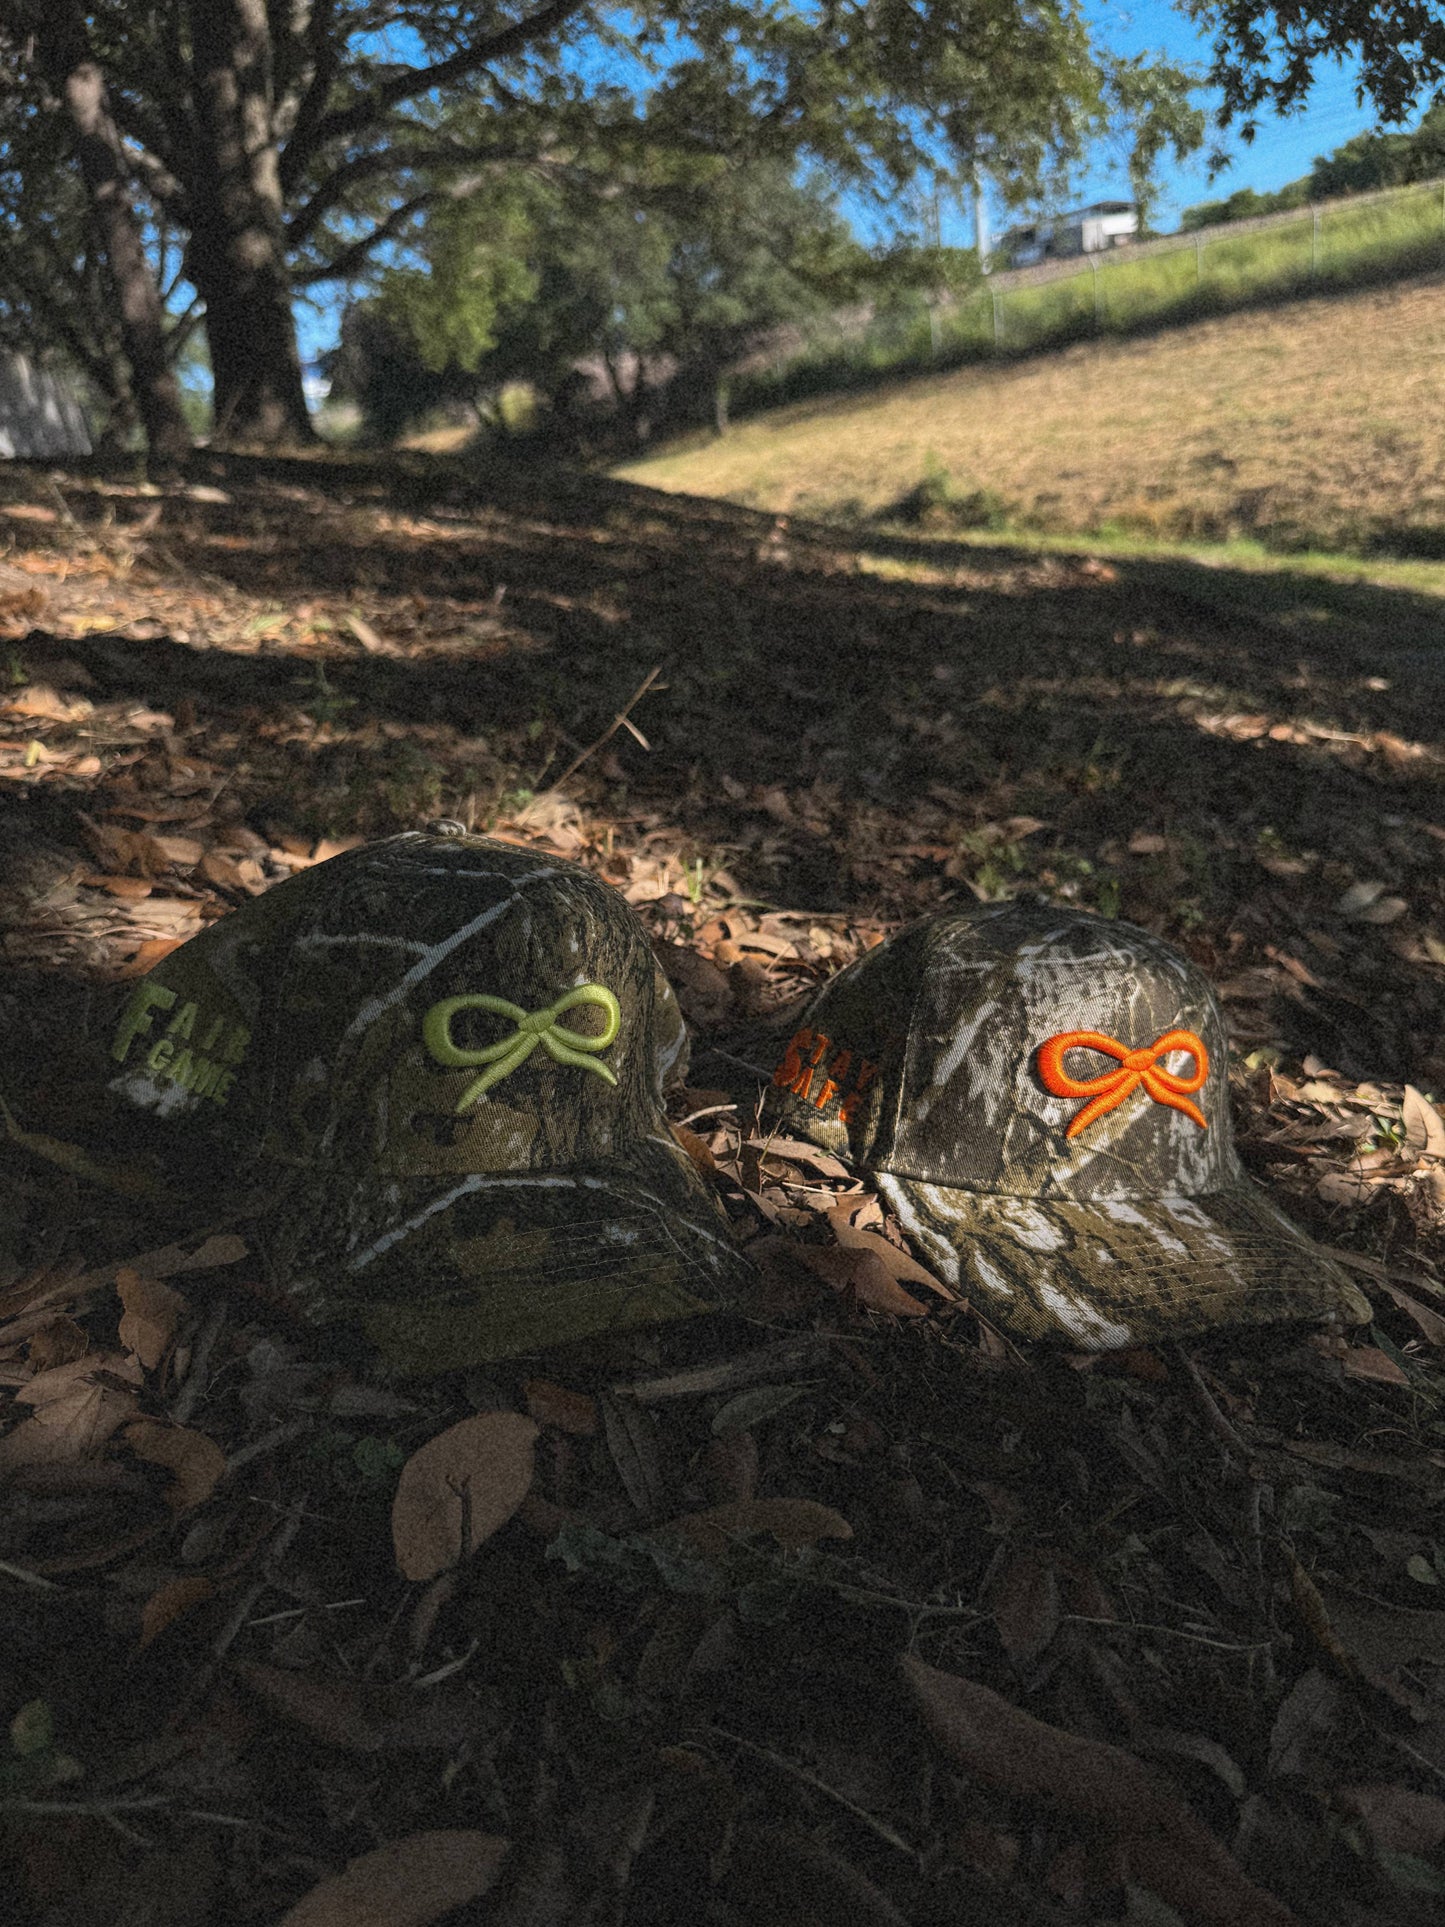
[(385, 160), (325, 64), (354, 257), (363, 115)]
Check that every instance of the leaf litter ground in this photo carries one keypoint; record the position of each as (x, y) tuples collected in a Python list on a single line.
[(840, 1607)]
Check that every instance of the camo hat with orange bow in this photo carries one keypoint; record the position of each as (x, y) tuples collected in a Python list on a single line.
[(445, 1058), (1041, 1097)]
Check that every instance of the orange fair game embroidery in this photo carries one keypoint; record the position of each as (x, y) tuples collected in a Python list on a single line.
[(1135, 1067), (845, 1074)]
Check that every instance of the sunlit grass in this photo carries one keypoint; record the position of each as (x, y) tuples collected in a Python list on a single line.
[(1316, 426)]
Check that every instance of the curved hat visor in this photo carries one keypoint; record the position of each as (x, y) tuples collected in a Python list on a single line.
[(443, 1273), (1105, 1274)]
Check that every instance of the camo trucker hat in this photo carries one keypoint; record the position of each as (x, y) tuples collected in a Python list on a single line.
[(1041, 1097), (445, 1058)]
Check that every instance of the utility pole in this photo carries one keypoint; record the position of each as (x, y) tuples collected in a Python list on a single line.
[(980, 222)]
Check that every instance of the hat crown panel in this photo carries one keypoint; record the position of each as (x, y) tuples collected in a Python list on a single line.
[(458, 930), (977, 1112), (328, 979)]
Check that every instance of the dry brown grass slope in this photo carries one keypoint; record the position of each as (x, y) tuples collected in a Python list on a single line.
[(1318, 423)]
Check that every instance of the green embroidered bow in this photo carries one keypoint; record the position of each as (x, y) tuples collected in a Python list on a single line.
[(534, 1027)]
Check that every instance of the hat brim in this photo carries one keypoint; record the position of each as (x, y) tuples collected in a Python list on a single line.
[(438, 1275), (1106, 1274)]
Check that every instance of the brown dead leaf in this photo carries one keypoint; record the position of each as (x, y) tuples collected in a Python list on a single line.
[(697, 1148), (149, 955), (152, 1312), (220, 1248), (223, 872), (1431, 1324), (1403, 1821), (459, 1488), (791, 1522), (133, 888), (359, 1716), (865, 1275), (20, 610), (898, 1263), (167, 1604), (1024, 1601), (182, 851), (1367, 1361), (77, 1407), (59, 1342), (370, 641), (40, 700), (1424, 1127), (565, 1410), (1170, 1851), (407, 1883), (703, 990), (195, 1461)]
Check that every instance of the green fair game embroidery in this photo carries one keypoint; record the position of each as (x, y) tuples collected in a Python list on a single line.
[(198, 1049), (533, 1027)]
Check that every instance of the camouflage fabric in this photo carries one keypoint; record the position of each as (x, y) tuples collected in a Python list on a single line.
[(448, 1056), (1042, 1098)]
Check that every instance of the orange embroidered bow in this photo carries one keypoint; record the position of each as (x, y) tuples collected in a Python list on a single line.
[(1135, 1067)]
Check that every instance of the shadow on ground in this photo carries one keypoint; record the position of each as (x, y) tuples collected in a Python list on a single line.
[(1221, 755)]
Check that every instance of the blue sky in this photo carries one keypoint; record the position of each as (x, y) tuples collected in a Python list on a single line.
[(1282, 149)]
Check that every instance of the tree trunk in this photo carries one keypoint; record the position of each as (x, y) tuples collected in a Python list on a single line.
[(65, 56), (237, 256)]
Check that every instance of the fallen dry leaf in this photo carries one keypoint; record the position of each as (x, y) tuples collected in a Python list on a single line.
[(75, 1411), (864, 1274), (220, 1248), (555, 1405), (195, 1461), (168, 1602), (148, 955), (1170, 1851), (1431, 1324), (1424, 1126), (791, 1522), (897, 1263), (1404, 1821), (406, 1883), (1024, 1600), (1367, 1361), (459, 1488), (152, 1312), (360, 1716), (696, 1148)]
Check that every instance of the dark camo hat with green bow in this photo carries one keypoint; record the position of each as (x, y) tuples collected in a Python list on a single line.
[(448, 1054), (1041, 1096)]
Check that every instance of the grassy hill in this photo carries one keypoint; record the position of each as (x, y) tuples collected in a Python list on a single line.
[(1316, 424)]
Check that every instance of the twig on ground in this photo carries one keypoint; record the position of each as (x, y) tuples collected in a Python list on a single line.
[(619, 721), (193, 1389), (784, 1765)]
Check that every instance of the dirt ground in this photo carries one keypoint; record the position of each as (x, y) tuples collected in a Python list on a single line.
[(839, 1607)]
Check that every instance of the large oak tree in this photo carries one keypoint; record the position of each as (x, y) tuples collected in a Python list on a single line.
[(292, 141)]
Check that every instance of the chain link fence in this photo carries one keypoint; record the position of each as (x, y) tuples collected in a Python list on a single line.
[(1342, 243)]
